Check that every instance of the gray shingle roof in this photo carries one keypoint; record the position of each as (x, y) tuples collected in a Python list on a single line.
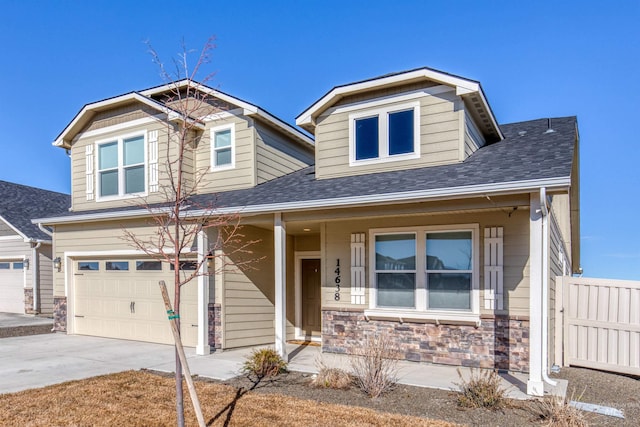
[(529, 152), (19, 204)]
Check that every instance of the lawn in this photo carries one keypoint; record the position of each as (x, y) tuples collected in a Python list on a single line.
[(136, 398)]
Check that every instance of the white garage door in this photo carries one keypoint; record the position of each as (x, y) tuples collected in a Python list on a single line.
[(121, 299), (11, 286)]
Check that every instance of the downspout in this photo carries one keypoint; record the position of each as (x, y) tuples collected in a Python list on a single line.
[(545, 286), (34, 271)]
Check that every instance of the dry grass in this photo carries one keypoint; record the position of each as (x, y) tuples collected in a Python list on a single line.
[(557, 412), (135, 398), (264, 363), (375, 365), (329, 377), (483, 389)]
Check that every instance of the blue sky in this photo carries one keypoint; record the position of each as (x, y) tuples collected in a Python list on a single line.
[(534, 59)]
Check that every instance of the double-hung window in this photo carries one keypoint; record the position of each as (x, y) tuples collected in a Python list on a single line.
[(425, 272), (121, 166), (385, 134), (223, 147)]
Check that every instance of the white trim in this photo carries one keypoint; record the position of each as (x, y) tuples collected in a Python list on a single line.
[(12, 257), (435, 316), (339, 202), (299, 256), (222, 115), (383, 134), (16, 237), (119, 140), (153, 177), (466, 85), (280, 283), (421, 289), (121, 126), (20, 233), (386, 100), (203, 347), (213, 149)]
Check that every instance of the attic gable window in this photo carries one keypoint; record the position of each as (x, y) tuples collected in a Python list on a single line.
[(223, 147), (121, 167), (385, 134)]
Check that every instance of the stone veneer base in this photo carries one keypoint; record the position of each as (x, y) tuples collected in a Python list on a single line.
[(215, 326), (60, 314), (500, 342), (28, 301)]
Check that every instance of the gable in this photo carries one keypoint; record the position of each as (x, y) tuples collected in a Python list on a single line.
[(6, 230)]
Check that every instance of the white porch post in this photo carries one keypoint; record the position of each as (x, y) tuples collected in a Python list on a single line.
[(203, 295), (280, 257), (535, 386)]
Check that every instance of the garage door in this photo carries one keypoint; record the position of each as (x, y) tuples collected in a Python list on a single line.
[(121, 299), (11, 286)]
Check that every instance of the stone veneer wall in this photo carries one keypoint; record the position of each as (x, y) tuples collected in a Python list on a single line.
[(215, 326), (60, 314), (500, 341), (28, 301)]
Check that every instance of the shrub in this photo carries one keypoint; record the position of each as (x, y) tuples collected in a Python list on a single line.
[(328, 377), (483, 389), (264, 363), (556, 411), (375, 365)]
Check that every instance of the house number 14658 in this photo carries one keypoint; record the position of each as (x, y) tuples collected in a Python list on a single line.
[(336, 295)]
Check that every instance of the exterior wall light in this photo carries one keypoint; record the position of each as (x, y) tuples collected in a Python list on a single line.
[(25, 263), (57, 264)]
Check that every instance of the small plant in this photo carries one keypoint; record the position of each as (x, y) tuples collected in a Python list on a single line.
[(328, 377), (375, 365), (557, 411), (264, 363), (483, 389)]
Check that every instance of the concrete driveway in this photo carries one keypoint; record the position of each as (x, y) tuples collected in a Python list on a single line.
[(41, 360)]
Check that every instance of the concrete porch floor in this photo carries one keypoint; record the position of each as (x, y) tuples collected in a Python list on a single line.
[(303, 358)]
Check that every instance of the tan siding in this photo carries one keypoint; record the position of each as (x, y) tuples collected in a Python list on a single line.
[(5, 230), (248, 296), (473, 139), (120, 115), (45, 278), (243, 175), (555, 269), (384, 92), (275, 156), (439, 133), (516, 250)]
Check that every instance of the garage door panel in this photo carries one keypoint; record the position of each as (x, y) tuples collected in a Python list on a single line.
[(104, 299), (11, 289)]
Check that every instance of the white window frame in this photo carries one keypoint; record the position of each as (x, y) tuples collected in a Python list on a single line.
[(383, 133), (212, 138), (121, 181), (421, 311)]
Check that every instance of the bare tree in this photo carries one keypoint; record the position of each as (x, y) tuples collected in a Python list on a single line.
[(175, 231)]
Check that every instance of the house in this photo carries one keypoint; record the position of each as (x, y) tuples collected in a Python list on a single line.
[(411, 213), (26, 282)]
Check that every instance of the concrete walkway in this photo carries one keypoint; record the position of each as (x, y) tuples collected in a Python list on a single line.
[(40, 360), (13, 325)]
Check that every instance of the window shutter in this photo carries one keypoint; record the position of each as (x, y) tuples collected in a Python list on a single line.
[(88, 151), (493, 254), (153, 161), (357, 268)]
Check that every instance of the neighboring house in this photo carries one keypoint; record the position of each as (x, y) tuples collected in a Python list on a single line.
[(413, 215), (26, 282)]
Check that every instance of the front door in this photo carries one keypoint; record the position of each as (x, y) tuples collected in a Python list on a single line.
[(311, 292)]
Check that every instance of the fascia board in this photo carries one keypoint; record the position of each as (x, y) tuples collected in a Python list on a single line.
[(102, 216), (467, 86), (409, 196), (20, 233)]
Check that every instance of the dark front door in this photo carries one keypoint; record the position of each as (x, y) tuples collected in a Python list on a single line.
[(311, 294)]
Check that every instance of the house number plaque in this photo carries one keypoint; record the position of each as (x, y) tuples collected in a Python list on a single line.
[(336, 295)]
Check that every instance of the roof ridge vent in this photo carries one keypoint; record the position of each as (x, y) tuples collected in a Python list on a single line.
[(522, 133), (549, 129)]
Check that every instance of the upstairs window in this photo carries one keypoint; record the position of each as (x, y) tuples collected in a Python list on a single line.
[(223, 147), (385, 134), (121, 167)]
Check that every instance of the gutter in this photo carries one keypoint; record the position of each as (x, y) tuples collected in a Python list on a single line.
[(544, 208), (34, 271)]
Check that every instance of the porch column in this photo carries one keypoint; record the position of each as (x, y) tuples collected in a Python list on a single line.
[(280, 257), (535, 386), (203, 295)]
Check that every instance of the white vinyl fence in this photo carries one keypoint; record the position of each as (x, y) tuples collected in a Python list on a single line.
[(601, 324)]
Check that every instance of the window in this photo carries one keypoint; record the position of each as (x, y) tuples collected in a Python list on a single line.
[(385, 134), (5, 265), (148, 265), (223, 147), (18, 265), (121, 167), (396, 270), (117, 265), (449, 269), (425, 272), (186, 266), (88, 265)]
